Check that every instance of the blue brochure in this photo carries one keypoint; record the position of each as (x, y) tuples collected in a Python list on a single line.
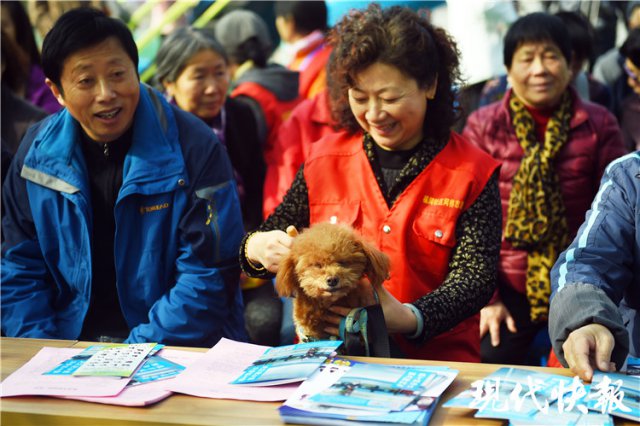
[(287, 364)]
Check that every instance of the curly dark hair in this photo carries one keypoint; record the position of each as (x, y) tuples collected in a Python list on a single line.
[(399, 37)]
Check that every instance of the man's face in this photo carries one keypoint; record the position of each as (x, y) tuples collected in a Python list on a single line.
[(100, 89)]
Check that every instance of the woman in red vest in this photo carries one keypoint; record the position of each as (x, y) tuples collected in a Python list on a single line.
[(421, 193)]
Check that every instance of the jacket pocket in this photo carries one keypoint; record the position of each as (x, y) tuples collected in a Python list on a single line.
[(430, 244), (438, 229), (347, 213)]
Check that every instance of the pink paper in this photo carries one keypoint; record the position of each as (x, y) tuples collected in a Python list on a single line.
[(147, 393), (209, 376), (30, 380)]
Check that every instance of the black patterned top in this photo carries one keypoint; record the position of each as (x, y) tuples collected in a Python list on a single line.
[(473, 267)]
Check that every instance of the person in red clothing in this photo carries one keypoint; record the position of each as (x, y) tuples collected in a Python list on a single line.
[(270, 89), (302, 26), (309, 122), (554, 148), (422, 194)]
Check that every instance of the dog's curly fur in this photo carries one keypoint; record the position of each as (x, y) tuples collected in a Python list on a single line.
[(325, 267)]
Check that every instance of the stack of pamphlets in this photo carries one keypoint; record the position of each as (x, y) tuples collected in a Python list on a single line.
[(525, 397), (346, 392)]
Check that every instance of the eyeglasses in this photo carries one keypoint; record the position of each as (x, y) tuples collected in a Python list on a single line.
[(632, 75)]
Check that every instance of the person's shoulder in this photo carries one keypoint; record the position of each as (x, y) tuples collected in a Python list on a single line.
[(34, 131), (627, 165), (238, 112), (471, 153), (591, 107), (21, 109), (486, 113), (608, 57), (486, 119), (339, 143), (191, 129), (591, 111), (624, 172)]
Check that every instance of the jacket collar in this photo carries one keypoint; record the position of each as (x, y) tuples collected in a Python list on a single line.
[(154, 156), (579, 115)]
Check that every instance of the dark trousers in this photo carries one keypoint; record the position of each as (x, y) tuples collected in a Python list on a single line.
[(527, 346)]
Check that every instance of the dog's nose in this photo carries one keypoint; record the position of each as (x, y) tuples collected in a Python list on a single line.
[(332, 281)]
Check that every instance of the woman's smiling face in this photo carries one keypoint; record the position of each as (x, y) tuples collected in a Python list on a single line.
[(390, 106)]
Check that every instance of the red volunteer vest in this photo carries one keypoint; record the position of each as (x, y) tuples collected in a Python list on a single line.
[(417, 232)]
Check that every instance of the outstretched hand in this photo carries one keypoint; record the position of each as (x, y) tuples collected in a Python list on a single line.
[(588, 348)]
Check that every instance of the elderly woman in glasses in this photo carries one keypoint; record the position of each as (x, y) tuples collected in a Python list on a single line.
[(554, 148)]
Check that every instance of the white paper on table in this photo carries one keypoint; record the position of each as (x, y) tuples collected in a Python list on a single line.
[(30, 380), (209, 376), (146, 393)]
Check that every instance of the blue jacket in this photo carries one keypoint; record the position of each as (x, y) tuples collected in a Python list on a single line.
[(178, 230), (597, 279)]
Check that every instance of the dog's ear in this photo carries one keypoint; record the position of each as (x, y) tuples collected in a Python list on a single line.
[(286, 281), (377, 263)]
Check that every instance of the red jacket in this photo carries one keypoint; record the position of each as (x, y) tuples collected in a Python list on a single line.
[(308, 122), (275, 111), (594, 141), (417, 232)]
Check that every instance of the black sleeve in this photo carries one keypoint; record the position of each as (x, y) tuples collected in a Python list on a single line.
[(294, 210), (473, 267)]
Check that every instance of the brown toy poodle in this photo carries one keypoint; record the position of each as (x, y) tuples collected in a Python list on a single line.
[(325, 267)]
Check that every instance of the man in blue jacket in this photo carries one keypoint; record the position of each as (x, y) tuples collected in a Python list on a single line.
[(122, 217), (594, 318)]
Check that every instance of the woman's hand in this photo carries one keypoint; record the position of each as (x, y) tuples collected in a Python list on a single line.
[(491, 316), (269, 248), (399, 318)]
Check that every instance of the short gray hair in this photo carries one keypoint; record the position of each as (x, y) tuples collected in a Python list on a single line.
[(179, 47)]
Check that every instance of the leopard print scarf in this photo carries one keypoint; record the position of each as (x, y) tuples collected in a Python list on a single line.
[(536, 219)]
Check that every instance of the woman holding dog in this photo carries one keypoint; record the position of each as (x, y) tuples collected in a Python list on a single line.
[(420, 193)]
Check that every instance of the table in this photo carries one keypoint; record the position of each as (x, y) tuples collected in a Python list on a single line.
[(189, 410)]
